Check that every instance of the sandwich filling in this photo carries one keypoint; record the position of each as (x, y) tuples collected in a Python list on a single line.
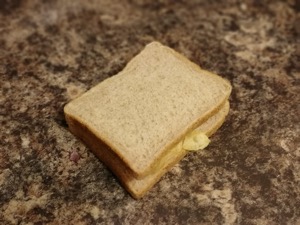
[(195, 141)]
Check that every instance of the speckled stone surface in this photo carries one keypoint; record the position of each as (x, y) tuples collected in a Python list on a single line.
[(52, 51)]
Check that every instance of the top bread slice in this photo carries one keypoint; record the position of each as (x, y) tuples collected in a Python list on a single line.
[(150, 106)]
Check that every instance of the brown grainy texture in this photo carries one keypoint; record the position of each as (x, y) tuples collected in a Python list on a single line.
[(51, 51)]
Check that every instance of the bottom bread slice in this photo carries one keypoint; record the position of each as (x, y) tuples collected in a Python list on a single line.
[(139, 187)]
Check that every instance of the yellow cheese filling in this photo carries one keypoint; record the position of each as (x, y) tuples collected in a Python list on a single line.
[(194, 141)]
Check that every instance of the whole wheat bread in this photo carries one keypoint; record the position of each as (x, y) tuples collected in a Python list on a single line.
[(145, 110)]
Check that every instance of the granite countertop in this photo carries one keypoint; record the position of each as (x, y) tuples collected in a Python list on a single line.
[(52, 51)]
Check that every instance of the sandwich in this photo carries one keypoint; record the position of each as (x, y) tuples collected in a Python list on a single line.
[(143, 120)]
